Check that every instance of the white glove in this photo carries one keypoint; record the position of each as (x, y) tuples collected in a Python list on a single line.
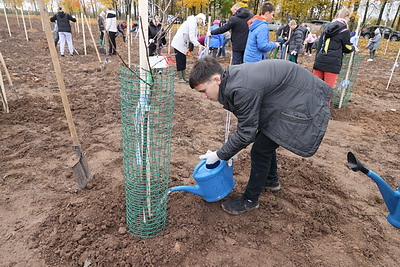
[(211, 157), (277, 44), (293, 53), (151, 41), (208, 34)]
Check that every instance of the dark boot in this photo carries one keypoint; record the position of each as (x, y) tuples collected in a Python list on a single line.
[(240, 205)]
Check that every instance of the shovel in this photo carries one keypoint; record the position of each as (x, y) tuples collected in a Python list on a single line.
[(80, 169)]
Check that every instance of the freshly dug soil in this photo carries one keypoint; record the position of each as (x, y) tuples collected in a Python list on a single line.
[(324, 215)]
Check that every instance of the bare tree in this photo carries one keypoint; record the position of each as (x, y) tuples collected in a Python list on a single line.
[(396, 17), (381, 12)]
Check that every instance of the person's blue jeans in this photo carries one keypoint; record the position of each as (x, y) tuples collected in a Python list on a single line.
[(237, 57), (263, 167), (222, 50)]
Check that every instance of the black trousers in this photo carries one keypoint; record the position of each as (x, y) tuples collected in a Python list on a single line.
[(113, 44), (180, 60), (263, 167), (237, 57)]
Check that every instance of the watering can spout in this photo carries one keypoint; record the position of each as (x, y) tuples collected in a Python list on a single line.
[(195, 189), (391, 197)]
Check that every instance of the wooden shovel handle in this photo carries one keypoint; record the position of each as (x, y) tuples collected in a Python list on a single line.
[(57, 69)]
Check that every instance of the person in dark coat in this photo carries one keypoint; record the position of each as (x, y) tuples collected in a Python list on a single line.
[(334, 41), (295, 42), (100, 21), (282, 35), (239, 31), (277, 103), (156, 37), (64, 30), (121, 29)]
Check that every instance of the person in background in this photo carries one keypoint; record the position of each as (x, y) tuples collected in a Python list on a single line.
[(156, 37), (373, 44), (111, 28), (354, 40), (55, 32), (282, 36), (64, 30), (277, 103), (186, 33), (227, 38), (216, 41), (100, 21), (334, 41), (310, 39), (295, 42), (258, 43), (121, 29), (239, 31)]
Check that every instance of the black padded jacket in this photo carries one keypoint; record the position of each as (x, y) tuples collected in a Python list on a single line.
[(240, 30), (63, 21), (334, 41), (279, 98)]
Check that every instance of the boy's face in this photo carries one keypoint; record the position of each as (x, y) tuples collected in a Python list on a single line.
[(209, 90), (269, 16)]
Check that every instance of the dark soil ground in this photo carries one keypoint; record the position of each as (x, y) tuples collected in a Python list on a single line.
[(325, 214)]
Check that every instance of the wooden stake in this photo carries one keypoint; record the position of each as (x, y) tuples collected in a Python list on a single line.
[(129, 41), (394, 66), (169, 41), (23, 21), (8, 74), (83, 33), (76, 25), (29, 17), (349, 68), (94, 42), (16, 14), (3, 95), (59, 75), (8, 25)]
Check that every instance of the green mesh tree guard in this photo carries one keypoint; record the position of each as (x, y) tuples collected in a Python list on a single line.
[(343, 86), (147, 106)]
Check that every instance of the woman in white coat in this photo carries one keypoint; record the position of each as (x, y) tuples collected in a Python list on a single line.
[(111, 28), (186, 33)]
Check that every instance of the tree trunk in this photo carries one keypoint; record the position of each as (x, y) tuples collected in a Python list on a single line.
[(352, 21), (396, 17), (381, 12), (365, 14), (256, 6), (332, 7)]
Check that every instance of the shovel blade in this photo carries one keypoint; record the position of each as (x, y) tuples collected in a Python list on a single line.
[(81, 169)]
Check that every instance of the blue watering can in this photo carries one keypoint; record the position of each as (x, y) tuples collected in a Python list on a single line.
[(391, 197), (214, 182)]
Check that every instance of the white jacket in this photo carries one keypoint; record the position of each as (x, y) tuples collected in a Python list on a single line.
[(186, 33), (111, 21)]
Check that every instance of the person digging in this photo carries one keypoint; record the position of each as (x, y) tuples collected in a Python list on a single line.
[(277, 103)]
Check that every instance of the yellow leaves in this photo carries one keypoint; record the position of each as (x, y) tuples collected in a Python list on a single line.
[(192, 3), (71, 6)]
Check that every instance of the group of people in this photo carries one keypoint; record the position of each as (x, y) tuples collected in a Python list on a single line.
[(108, 26), (277, 103)]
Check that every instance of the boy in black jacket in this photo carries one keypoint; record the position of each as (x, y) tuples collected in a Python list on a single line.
[(277, 103)]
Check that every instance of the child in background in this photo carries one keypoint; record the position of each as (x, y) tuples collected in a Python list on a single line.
[(309, 42), (216, 40)]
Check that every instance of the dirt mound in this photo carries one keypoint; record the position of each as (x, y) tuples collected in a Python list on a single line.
[(325, 214)]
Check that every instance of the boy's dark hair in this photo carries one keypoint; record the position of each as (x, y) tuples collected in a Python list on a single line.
[(203, 70), (267, 7)]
